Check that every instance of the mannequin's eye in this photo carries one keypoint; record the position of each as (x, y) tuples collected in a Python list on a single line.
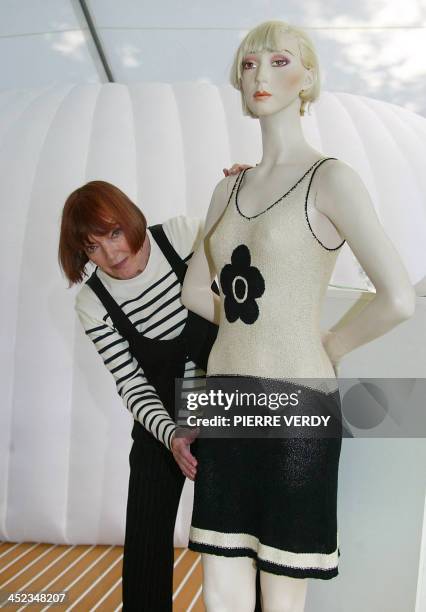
[(116, 232), (280, 61), (248, 64), (90, 248)]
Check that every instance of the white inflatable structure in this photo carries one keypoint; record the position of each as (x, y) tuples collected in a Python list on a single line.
[(64, 433)]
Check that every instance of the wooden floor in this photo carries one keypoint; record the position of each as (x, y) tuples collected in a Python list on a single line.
[(91, 575)]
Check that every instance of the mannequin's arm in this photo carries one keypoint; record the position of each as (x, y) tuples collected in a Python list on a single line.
[(343, 197), (196, 291)]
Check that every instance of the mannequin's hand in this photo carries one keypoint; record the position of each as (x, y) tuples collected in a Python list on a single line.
[(235, 169), (180, 444), (328, 342)]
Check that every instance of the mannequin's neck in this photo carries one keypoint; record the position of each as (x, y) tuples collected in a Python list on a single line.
[(283, 141)]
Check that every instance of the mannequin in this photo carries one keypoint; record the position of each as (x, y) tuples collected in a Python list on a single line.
[(276, 71)]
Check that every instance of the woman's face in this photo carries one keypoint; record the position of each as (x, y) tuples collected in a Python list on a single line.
[(272, 80), (112, 253)]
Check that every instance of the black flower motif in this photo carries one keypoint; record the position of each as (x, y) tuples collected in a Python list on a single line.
[(242, 284)]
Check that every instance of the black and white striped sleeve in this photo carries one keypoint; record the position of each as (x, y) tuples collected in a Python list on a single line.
[(138, 395)]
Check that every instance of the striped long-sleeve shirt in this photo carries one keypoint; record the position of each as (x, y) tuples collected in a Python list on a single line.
[(152, 302)]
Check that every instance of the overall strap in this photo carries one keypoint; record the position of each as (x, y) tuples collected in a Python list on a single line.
[(176, 263), (121, 322)]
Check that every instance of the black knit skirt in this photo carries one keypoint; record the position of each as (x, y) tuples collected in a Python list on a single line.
[(273, 497)]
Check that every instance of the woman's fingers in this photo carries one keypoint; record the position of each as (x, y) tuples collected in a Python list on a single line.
[(186, 437), (186, 462), (183, 456), (235, 169), (186, 468)]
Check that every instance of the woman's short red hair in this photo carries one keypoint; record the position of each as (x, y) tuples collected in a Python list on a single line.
[(95, 209)]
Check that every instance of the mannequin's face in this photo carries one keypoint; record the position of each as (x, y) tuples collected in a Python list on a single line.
[(112, 253), (272, 80)]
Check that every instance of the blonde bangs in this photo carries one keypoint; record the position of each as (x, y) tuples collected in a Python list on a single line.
[(262, 38)]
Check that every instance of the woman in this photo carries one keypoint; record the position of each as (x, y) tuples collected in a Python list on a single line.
[(272, 237), (130, 308)]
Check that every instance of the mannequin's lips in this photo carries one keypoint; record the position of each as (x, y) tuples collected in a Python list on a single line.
[(121, 264), (261, 94)]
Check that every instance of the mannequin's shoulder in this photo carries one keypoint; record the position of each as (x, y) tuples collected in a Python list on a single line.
[(224, 187), (339, 186), (184, 233), (337, 176)]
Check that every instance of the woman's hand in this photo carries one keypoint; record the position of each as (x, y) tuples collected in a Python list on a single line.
[(235, 169), (180, 444)]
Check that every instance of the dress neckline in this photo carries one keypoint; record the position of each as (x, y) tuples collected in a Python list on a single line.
[(241, 178)]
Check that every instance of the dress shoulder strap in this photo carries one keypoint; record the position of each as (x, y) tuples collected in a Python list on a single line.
[(320, 162), (236, 183), (315, 167)]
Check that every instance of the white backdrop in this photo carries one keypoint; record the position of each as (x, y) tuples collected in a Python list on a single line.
[(64, 435)]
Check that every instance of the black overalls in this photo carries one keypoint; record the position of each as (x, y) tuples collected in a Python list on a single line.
[(156, 481)]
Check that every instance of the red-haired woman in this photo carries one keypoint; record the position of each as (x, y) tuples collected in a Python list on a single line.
[(131, 309)]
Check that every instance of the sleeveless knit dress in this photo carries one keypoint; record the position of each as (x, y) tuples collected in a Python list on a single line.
[(272, 499)]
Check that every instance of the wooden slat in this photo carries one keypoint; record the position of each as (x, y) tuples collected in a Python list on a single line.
[(112, 601), (191, 586), (97, 583), (183, 568), (26, 567), (5, 547), (18, 559)]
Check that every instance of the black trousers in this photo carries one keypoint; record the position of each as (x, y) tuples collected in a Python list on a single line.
[(155, 487)]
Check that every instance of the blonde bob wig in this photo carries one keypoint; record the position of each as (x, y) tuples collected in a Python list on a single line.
[(264, 37)]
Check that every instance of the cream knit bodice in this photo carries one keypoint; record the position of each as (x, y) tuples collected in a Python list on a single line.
[(273, 274)]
